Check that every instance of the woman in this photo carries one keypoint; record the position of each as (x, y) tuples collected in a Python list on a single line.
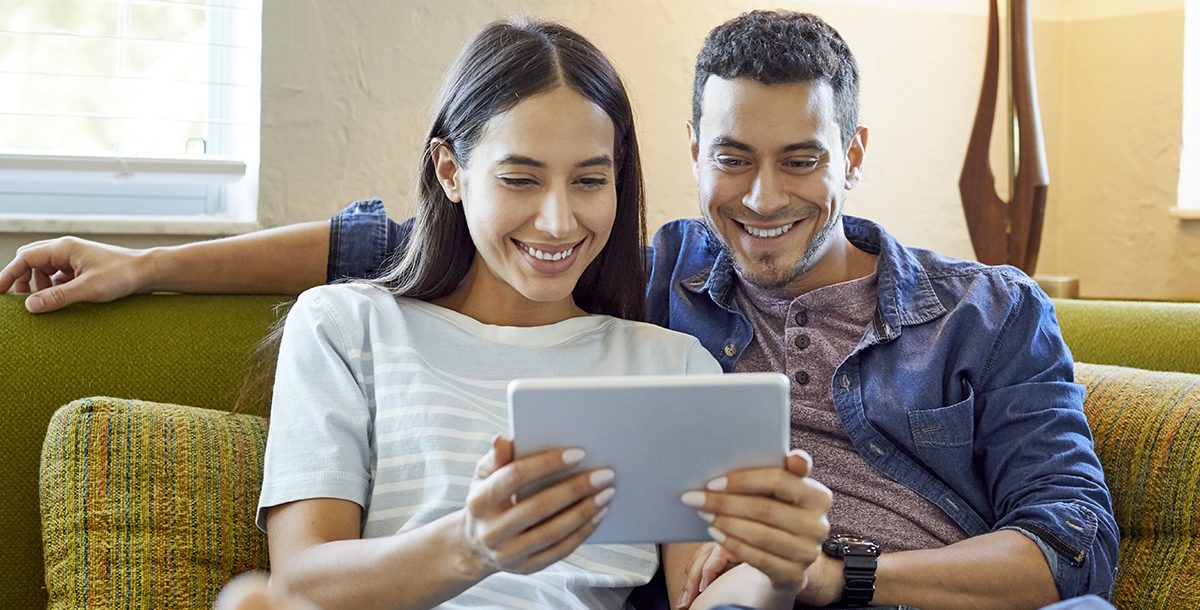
[(525, 260)]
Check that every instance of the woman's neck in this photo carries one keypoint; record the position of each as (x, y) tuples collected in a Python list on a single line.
[(502, 305)]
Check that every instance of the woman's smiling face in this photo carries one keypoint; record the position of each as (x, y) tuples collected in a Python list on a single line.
[(539, 195)]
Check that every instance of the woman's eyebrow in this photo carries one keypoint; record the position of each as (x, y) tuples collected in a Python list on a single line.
[(597, 161)]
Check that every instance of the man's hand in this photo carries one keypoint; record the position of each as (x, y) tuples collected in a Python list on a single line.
[(69, 270), (773, 519)]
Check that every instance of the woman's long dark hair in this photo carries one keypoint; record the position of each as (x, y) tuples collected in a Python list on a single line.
[(501, 65), (504, 63)]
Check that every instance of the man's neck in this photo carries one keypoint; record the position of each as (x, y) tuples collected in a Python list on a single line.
[(841, 262)]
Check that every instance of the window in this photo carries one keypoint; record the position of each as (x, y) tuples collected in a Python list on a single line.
[(1189, 162), (115, 112)]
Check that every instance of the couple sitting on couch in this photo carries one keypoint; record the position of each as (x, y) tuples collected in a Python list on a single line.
[(935, 396)]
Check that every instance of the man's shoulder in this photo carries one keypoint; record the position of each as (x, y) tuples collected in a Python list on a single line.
[(683, 245)]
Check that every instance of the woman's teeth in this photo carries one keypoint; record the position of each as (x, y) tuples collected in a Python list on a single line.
[(546, 256), (768, 233)]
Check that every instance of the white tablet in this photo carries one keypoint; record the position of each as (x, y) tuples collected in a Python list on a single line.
[(662, 435)]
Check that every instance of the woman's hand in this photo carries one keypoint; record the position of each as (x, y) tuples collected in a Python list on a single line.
[(523, 536), (773, 519)]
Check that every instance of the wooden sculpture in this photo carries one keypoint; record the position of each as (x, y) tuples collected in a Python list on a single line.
[(1007, 232)]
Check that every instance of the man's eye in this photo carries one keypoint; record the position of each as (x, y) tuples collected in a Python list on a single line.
[(802, 164), (517, 181), (731, 161)]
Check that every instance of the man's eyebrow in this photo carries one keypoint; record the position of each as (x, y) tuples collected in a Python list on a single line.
[(727, 142), (597, 161)]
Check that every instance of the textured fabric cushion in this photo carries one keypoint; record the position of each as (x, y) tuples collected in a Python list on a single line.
[(148, 505), (1146, 426)]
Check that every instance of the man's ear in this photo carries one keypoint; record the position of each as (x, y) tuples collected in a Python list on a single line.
[(854, 156), (692, 136), (445, 166)]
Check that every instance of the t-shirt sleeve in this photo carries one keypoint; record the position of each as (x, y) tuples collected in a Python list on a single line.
[(318, 443), (699, 361)]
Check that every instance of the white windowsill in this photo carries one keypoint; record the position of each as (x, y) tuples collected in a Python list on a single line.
[(131, 225), (1186, 213)]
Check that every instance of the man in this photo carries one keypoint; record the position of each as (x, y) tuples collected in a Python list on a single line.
[(935, 395)]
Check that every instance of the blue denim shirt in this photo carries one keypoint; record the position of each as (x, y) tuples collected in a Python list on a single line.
[(962, 388)]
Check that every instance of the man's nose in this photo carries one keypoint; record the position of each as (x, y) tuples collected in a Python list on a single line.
[(555, 216), (766, 194)]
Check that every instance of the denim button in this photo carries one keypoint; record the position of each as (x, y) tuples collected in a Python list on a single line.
[(801, 318), (802, 341), (802, 378), (730, 350)]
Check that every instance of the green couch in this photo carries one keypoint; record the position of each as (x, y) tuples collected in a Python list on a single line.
[(193, 350)]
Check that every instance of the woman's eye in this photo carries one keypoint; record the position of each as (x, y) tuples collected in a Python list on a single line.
[(520, 182), (593, 182)]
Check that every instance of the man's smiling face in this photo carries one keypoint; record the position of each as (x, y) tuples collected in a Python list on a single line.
[(772, 174)]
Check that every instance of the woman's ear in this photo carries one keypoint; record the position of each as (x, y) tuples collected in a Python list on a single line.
[(445, 165)]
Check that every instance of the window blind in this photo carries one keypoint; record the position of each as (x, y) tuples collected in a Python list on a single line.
[(150, 101)]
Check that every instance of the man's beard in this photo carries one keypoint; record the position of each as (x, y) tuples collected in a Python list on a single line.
[(810, 258)]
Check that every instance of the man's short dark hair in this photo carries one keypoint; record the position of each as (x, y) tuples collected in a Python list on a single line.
[(774, 47)]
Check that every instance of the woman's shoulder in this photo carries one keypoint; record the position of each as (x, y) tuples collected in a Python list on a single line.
[(645, 331)]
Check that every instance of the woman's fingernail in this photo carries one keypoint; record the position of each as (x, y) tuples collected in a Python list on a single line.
[(716, 534), (33, 304), (717, 484), (606, 496), (600, 515), (706, 516), (692, 498), (683, 599), (602, 477), (572, 456)]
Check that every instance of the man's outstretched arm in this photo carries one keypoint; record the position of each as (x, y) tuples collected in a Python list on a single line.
[(284, 260)]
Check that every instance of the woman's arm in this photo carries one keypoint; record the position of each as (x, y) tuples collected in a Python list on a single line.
[(316, 552)]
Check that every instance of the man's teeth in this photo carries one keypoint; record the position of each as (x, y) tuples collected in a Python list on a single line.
[(769, 233), (546, 256)]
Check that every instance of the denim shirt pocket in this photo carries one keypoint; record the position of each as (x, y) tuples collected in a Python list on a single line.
[(944, 427)]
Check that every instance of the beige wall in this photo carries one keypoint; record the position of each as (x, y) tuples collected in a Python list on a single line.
[(347, 87), (1117, 156)]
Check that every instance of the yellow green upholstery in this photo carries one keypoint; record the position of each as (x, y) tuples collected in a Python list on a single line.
[(1146, 426), (148, 505), (175, 349), (192, 350), (1143, 334)]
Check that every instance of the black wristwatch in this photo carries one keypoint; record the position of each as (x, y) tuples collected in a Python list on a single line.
[(860, 557)]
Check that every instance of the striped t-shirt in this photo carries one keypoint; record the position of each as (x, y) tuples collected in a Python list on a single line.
[(389, 403)]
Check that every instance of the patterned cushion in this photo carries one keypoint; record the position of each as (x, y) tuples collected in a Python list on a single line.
[(1146, 426), (148, 505)]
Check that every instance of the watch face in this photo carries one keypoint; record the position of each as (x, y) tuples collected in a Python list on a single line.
[(841, 545)]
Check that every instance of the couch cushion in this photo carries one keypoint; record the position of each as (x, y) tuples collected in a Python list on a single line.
[(148, 505), (1146, 426)]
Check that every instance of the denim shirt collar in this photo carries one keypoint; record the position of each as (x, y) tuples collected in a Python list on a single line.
[(906, 296)]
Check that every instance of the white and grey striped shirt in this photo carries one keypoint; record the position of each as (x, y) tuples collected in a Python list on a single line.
[(389, 402)]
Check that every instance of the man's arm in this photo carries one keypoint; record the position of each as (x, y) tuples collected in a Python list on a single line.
[(67, 270)]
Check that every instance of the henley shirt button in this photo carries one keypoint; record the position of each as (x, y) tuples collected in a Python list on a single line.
[(730, 350), (802, 378), (801, 318), (802, 341)]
